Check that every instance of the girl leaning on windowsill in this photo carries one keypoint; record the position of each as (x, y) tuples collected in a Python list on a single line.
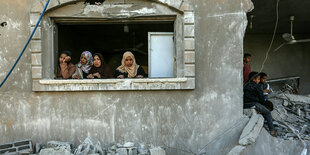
[(65, 68)]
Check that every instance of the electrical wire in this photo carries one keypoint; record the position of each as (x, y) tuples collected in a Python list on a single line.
[(273, 36), (28, 41)]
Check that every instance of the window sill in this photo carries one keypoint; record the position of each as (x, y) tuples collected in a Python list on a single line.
[(114, 84)]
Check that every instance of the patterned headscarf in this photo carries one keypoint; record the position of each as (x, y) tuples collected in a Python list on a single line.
[(89, 58), (132, 70)]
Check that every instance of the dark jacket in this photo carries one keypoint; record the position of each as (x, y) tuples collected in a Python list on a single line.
[(140, 71), (253, 93)]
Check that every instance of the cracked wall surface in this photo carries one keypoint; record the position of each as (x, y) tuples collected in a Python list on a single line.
[(192, 118)]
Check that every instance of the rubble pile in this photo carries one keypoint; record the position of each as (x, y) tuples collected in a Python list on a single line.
[(87, 147), (292, 116)]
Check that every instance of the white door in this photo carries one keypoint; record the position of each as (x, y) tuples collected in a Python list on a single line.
[(161, 54)]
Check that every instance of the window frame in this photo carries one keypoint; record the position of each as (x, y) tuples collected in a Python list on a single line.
[(43, 48)]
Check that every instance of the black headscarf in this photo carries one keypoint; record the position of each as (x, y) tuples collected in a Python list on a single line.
[(104, 70)]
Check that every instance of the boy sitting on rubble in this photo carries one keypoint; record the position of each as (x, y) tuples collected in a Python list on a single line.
[(266, 88), (254, 98)]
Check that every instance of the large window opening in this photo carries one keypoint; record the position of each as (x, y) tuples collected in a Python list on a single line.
[(111, 40)]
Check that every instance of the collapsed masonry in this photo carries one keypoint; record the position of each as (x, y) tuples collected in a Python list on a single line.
[(87, 147), (291, 116)]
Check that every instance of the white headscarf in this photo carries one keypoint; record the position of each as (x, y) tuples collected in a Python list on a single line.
[(89, 58)]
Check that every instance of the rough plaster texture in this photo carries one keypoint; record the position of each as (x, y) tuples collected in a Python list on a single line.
[(174, 119), (290, 60)]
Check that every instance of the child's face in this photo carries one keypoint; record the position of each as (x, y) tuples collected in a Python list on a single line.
[(257, 79), (62, 57), (247, 59), (263, 79)]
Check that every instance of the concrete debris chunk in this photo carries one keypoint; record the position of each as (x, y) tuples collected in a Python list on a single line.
[(295, 99), (251, 130), (291, 113), (142, 149), (19, 147), (237, 150), (121, 151), (57, 144), (157, 151), (88, 147), (127, 148), (54, 151)]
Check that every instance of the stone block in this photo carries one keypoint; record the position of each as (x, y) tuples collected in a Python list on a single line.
[(237, 150), (188, 7), (34, 18), (157, 151), (36, 46), (121, 151), (37, 34), (189, 57), (173, 3), (19, 147), (189, 17), (57, 144), (36, 72), (189, 43), (52, 4), (189, 30), (52, 151), (36, 59), (37, 6), (189, 70), (251, 130), (65, 1), (249, 112)]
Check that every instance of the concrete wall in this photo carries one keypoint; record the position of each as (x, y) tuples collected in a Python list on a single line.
[(290, 60), (166, 118)]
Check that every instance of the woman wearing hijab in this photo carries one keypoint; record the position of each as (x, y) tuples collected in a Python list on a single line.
[(129, 68), (65, 67), (83, 67), (99, 70)]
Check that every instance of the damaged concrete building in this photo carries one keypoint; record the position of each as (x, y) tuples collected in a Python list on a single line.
[(196, 109)]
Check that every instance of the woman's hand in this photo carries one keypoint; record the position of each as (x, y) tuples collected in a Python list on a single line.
[(139, 76), (121, 76), (97, 75), (76, 77), (67, 59), (90, 76)]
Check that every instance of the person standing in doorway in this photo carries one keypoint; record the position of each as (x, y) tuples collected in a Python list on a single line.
[(246, 67)]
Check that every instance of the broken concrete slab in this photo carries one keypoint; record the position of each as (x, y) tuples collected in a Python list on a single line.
[(249, 112), (58, 144), (18, 147), (53, 151), (251, 130), (88, 147), (291, 110), (297, 99), (237, 150), (157, 151)]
